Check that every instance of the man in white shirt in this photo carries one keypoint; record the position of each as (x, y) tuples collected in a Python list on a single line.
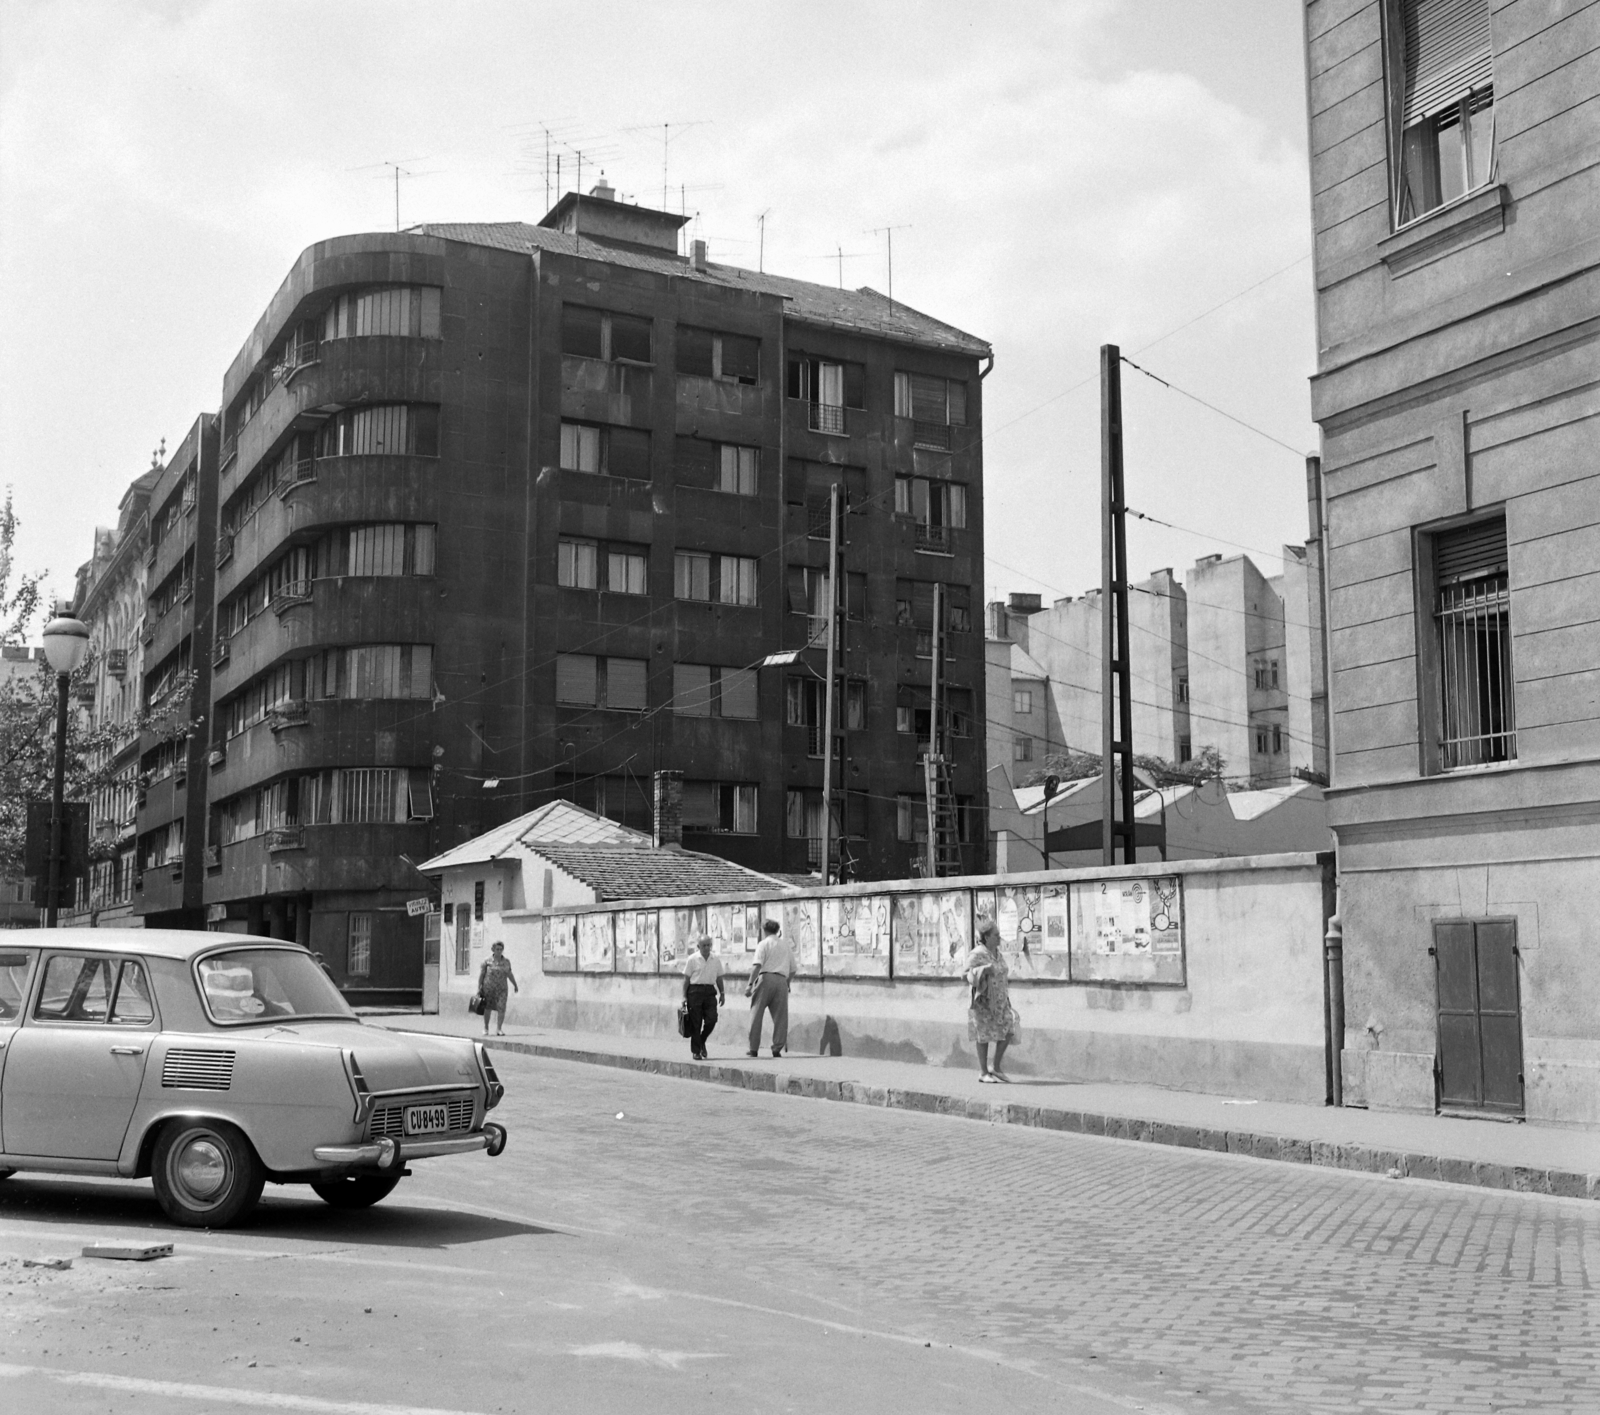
[(702, 991), (769, 988)]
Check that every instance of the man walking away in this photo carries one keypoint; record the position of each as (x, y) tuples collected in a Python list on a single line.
[(702, 991), (769, 988)]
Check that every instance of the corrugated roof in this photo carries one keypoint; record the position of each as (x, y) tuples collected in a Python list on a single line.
[(628, 872), (557, 823), (862, 311)]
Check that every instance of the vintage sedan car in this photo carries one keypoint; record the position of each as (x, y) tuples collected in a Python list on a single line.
[(214, 1063)]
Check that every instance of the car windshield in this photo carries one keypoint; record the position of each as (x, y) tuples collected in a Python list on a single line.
[(264, 984)]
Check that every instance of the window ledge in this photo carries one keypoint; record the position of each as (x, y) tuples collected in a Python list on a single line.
[(1470, 218)]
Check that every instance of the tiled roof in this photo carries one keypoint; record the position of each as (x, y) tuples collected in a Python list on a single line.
[(628, 872), (558, 823), (862, 311)]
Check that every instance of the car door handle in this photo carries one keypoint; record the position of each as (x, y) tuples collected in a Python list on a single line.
[(127, 1051)]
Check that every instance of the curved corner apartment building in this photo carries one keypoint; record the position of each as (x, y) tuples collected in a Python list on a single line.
[(509, 512)]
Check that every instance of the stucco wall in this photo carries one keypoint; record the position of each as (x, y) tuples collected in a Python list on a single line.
[(1247, 1021)]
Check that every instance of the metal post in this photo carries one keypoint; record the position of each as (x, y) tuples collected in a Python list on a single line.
[(57, 791), (828, 690), (935, 730), (1333, 958), (1116, 717)]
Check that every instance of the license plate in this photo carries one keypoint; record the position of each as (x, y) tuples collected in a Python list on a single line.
[(426, 1119)]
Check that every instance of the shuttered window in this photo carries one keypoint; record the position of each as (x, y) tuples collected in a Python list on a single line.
[(576, 678), (1447, 53), (584, 680), (625, 683), (706, 690), (1442, 100)]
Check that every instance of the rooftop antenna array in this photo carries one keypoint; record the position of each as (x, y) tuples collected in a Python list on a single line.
[(399, 170), (887, 232)]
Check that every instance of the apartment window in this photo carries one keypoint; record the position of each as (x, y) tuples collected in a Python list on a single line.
[(371, 671), (389, 429), (855, 705), (725, 807), (914, 610), (937, 507), (596, 565), (578, 564), (334, 796), (717, 466), (934, 405), (1185, 749), (1272, 672), (584, 680), (1183, 690), (358, 947), (1476, 718), (1261, 741), (595, 334), (802, 820), (829, 388), (707, 690), (391, 309), (731, 358), (1022, 701), (478, 890), (958, 711), (738, 469), (385, 549), (913, 712), (808, 595), (1441, 96), (1277, 739), (911, 819), (715, 579), (1022, 749), (606, 451)]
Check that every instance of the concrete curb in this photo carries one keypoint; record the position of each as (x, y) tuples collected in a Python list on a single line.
[(1568, 1184)]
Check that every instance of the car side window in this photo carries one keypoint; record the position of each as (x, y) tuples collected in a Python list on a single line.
[(14, 971), (75, 989), (133, 1007)]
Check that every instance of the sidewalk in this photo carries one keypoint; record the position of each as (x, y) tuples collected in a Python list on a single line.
[(1490, 1154)]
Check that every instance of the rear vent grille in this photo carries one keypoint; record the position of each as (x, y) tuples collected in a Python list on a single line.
[(390, 1120), (189, 1069)]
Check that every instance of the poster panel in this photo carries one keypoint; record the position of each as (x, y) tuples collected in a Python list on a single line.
[(594, 943), (726, 925), (1013, 922), (678, 930), (559, 951), (802, 926), (1024, 919), (1128, 931), (636, 940), (932, 933), (856, 936)]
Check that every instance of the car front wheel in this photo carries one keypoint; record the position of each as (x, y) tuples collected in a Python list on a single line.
[(355, 1191), (206, 1174)]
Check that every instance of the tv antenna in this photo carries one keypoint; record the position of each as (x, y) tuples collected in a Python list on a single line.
[(887, 232), (669, 131), (400, 170), (761, 241)]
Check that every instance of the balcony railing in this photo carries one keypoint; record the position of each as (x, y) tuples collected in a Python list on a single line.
[(224, 548), (219, 651), (294, 713), (934, 538), (117, 662), (934, 435), (230, 449), (286, 837), (213, 857), (301, 471), (826, 417), (290, 594), (217, 757)]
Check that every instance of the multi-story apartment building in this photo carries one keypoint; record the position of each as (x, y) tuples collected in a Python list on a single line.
[(110, 600), (1230, 660), (1455, 182), (176, 681), (508, 513)]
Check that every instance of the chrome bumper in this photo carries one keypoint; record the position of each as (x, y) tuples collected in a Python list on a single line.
[(408, 1150)]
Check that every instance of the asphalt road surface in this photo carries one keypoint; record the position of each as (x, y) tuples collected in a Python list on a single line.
[(649, 1244)]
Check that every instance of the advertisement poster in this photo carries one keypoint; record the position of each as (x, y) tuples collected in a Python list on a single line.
[(1015, 918), (1023, 923), (932, 933), (560, 951), (636, 941), (726, 925), (1128, 931), (855, 937), (594, 943), (679, 929), (801, 920)]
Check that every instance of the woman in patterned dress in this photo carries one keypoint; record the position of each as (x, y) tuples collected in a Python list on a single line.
[(492, 979), (990, 1018)]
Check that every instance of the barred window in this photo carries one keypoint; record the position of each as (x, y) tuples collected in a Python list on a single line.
[(1476, 719), (391, 309), (358, 947)]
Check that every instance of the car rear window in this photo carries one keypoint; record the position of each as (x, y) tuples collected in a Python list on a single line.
[(263, 984)]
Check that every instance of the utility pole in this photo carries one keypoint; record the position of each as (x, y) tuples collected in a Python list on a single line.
[(828, 689), (1116, 686)]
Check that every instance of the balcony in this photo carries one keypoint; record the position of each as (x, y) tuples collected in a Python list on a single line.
[(286, 837), (289, 596), (302, 473), (117, 662), (224, 548), (219, 651), (230, 449), (217, 757), (826, 417), (933, 539), (936, 436), (213, 857), (294, 713)]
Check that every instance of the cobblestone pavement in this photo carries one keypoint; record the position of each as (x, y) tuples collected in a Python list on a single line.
[(1208, 1281)]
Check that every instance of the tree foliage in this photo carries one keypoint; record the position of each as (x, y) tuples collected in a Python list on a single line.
[(1079, 766)]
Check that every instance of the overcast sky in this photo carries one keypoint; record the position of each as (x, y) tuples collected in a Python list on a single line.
[(1065, 174)]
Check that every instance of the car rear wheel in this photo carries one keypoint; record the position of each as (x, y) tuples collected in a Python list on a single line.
[(355, 1191), (206, 1174)]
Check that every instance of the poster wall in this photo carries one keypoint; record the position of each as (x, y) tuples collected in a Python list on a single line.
[(559, 953), (636, 941), (1128, 931), (594, 943), (802, 926), (856, 936), (932, 933)]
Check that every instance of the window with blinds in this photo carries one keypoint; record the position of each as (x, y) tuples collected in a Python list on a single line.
[(1476, 720), (389, 429), (372, 671), (707, 690), (586, 680), (392, 309), (384, 549), (1441, 84)]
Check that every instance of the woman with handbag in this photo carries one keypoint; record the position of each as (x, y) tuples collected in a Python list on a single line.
[(492, 980), (991, 1019)]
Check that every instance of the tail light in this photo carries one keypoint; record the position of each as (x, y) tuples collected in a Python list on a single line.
[(358, 1085), (491, 1079)]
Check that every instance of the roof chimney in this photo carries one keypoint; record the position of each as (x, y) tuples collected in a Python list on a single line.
[(668, 831), (603, 189), (698, 255), (1024, 603)]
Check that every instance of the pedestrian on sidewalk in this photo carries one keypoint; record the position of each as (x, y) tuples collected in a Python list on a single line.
[(768, 989), (492, 980), (702, 991), (990, 1016)]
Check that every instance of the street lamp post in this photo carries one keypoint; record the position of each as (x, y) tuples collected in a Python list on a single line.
[(66, 643)]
